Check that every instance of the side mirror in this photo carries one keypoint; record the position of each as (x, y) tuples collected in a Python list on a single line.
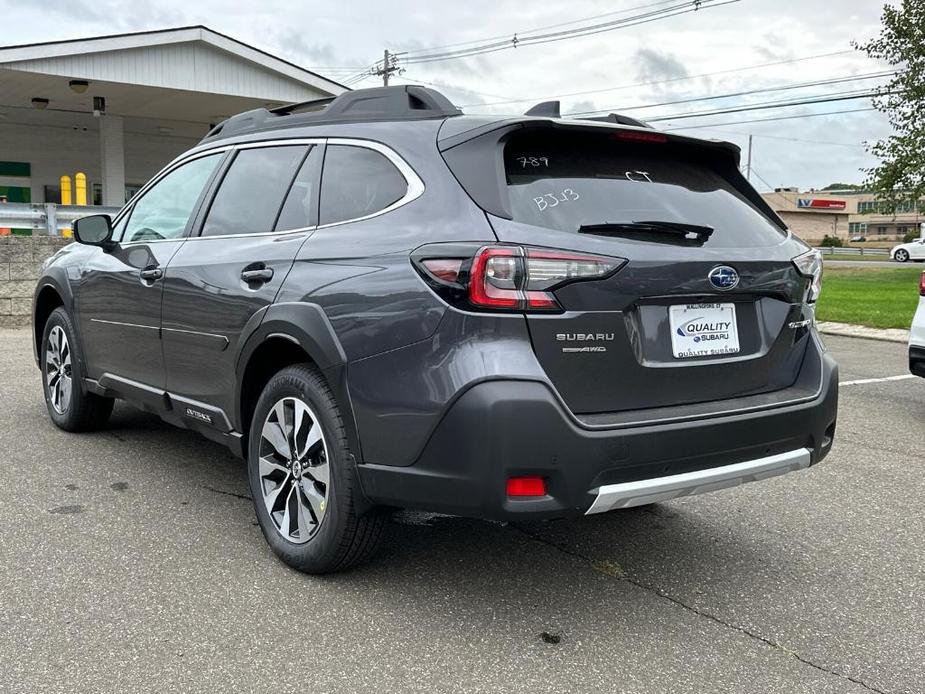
[(95, 230)]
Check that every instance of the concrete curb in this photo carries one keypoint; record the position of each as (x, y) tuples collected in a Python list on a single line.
[(848, 330)]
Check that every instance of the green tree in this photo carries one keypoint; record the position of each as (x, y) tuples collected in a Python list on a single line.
[(843, 186), (900, 175)]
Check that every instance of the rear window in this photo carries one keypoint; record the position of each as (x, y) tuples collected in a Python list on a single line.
[(566, 180)]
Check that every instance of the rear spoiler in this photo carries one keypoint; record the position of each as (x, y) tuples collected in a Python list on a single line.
[(468, 152)]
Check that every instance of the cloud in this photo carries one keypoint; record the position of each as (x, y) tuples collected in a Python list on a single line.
[(595, 70), (654, 65)]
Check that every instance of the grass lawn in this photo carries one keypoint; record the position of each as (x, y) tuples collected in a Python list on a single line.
[(875, 297), (853, 258)]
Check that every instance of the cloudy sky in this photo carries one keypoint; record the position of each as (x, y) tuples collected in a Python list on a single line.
[(686, 57)]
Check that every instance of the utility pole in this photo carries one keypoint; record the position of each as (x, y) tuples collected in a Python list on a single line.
[(389, 65), (748, 166)]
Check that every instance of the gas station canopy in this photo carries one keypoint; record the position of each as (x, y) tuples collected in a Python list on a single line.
[(120, 107)]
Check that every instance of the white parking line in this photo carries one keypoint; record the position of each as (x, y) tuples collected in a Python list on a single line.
[(862, 381)]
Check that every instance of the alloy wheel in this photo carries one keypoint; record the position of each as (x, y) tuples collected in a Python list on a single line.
[(902, 256), (294, 471), (58, 369)]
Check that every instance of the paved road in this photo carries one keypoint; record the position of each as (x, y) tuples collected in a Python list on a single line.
[(129, 561)]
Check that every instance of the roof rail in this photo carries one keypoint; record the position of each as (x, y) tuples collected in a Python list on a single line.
[(404, 102), (312, 105)]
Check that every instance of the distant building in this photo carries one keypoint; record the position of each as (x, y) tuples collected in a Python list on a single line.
[(844, 213), (118, 108)]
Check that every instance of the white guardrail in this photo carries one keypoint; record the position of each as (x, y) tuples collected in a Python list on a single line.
[(46, 219), (828, 250)]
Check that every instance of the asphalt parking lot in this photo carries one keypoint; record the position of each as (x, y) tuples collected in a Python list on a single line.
[(130, 561)]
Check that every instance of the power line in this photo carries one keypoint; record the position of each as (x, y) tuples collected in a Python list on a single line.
[(684, 78), (528, 31), (787, 139), (767, 120), (519, 40), (803, 85), (335, 67), (820, 99), (513, 40), (762, 179)]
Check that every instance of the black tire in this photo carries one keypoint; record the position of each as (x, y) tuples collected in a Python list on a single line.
[(341, 538), (901, 256), (76, 409)]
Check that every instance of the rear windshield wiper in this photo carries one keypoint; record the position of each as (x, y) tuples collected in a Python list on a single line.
[(648, 226)]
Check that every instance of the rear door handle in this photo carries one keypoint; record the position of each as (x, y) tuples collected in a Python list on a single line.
[(151, 273), (263, 274)]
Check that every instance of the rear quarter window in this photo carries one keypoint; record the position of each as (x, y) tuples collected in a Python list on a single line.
[(357, 182), (563, 181)]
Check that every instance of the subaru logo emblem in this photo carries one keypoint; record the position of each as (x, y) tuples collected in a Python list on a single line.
[(724, 277)]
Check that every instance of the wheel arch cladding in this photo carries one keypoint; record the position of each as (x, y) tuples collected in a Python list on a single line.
[(48, 297), (291, 333)]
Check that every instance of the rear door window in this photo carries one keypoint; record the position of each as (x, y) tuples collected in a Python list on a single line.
[(565, 181), (251, 193), (357, 182), (301, 207)]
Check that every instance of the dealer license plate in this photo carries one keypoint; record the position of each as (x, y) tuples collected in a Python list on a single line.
[(703, 330)]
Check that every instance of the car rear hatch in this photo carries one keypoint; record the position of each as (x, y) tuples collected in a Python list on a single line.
[(708, 304)]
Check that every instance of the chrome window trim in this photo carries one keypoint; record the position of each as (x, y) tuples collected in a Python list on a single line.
[(249, 235), (415, 188), (415, 184)]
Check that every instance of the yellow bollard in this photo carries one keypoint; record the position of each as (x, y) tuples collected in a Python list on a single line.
[(80, 189), (65, 190)]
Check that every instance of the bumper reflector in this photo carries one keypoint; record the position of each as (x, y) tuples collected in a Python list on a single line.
[(526, 486)]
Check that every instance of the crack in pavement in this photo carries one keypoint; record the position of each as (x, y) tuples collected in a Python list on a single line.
[(609, 569), (222, 491)]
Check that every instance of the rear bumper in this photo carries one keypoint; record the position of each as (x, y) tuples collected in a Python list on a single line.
[(505, 428), (917, 360), (649, 491)]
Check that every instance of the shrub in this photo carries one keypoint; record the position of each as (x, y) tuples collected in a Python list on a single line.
[(831, 242), (911, 236)]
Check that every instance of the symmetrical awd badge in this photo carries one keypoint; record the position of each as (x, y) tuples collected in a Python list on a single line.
[(723, 277)]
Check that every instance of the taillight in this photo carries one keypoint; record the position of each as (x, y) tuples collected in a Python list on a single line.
[(496, 278), (444, 269), (512, 278), (809, 265), (922, 285)]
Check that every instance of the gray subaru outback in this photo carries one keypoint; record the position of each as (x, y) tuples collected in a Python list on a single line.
[(381, 303)]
